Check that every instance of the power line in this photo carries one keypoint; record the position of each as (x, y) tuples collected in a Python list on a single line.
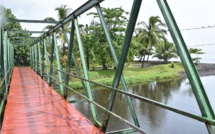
[(210, 44), (198, 28)]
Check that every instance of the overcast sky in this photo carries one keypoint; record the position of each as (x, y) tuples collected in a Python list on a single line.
[(188, 14)]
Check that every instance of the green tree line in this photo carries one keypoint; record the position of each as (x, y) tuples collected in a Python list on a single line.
[(21, 50), (148, 40)]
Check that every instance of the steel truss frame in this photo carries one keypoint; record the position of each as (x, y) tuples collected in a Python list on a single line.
[(43, 65)]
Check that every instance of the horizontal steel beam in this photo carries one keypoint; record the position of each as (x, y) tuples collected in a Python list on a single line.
[(33, 21), (35, 32), (88, 5), (22, 37)]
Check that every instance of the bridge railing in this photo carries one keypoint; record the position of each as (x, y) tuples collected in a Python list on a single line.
[(6, 68), (42, 63)]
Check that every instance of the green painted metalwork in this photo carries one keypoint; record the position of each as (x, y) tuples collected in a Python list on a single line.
[(43, 58), (6, 64), (51, 60), (32, 21), (36, 58), (196, 84), (60, 75), (150, 101), (72, 56), (86, 6), (70, 44), (30, 57), (123, 131), (86, 76), (110, 112), (46, 59), (23, 37), (116, 63), (39, 59), (30, 32), (127, 40), (5, 42), (2, 59), (33, 58), (8, 58), (77, 101)]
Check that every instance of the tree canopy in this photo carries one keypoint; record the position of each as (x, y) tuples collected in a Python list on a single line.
[(149, 38), (150, 35), (21, 50)]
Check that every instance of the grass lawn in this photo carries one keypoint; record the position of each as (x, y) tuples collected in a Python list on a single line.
[(133, 75)]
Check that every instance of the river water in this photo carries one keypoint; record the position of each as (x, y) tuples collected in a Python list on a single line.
[(176, 93)]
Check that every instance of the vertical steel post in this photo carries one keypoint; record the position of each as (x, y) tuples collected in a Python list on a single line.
[(8, 54), (2, 72), (36, 61), (5, 60), (127, 40), (51, 61), (46, 59), (12, 59), (30, 57), (43, 58), (60, 76), (39, 59), (1, 54), (196, 84), (125, 88), (33, 59), (13, 55), (89, 92), (9, 60), (70, 45), (2, 59), (71, 55)]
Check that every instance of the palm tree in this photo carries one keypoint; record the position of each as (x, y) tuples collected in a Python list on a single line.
[(165, 51), (48, 27), (197, 52), (63, 12), (150, 35)]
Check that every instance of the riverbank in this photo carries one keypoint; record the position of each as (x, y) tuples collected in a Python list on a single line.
[(204, 69), (134, 75), (137, 75)]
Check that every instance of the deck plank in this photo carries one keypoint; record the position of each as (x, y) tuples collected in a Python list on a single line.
[(35, 108)]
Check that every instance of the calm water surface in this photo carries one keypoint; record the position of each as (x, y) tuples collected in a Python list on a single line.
[(155, 120)]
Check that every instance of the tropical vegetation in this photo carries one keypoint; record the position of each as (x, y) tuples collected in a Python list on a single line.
[(150, 35), (196, 52), (21, 51), (149, 39)]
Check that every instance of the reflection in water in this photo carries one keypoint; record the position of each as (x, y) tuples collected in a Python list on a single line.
[(176, 93)]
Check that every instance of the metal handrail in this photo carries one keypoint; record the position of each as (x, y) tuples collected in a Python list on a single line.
[(104, 109), (141, 98)]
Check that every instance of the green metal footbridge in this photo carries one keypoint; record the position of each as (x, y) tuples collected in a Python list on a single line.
[(42, 63)]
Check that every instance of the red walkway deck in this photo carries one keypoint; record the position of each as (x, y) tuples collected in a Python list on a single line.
[(35, 108)]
